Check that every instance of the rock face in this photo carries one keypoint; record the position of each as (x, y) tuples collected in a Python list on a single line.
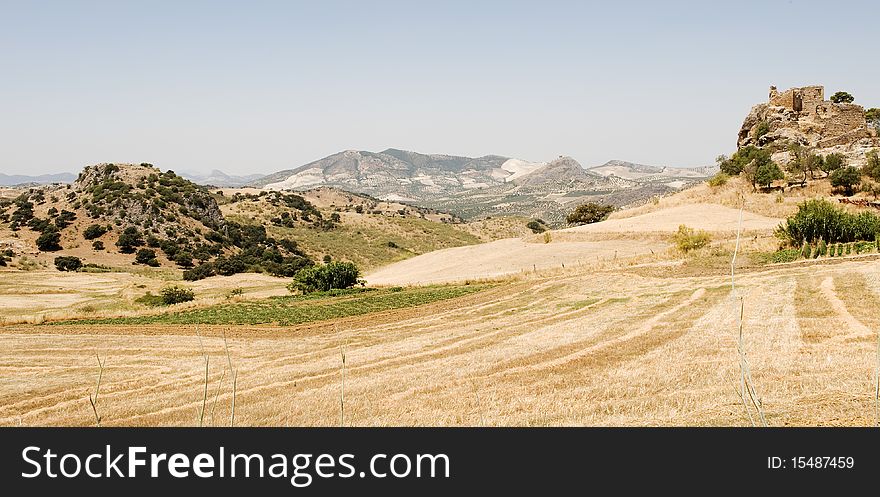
[(803, 116)]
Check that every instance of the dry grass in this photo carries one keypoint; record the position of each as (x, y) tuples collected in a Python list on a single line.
[(574, 348)]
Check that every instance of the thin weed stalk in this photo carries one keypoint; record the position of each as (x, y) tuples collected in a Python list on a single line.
[(234, 378), (94, 399), (746, 383), (342, 392)]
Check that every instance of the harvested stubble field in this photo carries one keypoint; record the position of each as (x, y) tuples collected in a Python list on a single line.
[(616, 346)]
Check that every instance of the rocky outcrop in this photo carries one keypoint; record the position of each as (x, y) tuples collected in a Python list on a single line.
[(803, 116), (144, 195)]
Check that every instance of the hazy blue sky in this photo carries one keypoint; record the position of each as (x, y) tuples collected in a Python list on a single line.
[(260, 86)]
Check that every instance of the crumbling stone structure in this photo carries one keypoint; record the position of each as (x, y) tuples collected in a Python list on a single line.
[(802, 115)]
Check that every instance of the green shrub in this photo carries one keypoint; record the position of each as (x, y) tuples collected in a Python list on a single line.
[(822, 248), (846, 178), (762, 129), (98, 245), (336, 275), (150, 300), (767, 173), (129, 240), (175, 295), (863, 247), (94, 231), (820, 219), (202, 271), (785, 255), (833, 162), (183, 259), (719, 179), (839, 249), (805, 250), (147, 256), (687, 239), (848, 248), (842, 97), (588, 213), (535, 226), (68, 263), (872, 167), (49, 241)]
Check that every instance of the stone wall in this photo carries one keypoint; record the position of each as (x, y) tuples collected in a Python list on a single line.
[(784, 99), (840, 118)]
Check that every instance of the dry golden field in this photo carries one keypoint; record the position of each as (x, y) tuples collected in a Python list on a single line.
[(641, 345)]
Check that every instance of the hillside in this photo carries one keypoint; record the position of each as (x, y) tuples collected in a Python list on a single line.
[(351, 227), (124, 214), (671, 176), (473, 188)]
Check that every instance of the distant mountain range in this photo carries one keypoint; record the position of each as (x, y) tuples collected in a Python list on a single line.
[(214, 178), (221, 179), (484, 186), (43, 179)]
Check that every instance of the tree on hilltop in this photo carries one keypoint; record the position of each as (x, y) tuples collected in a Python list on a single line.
[(842, 97)]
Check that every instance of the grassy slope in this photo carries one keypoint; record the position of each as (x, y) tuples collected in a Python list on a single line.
[(292, 310), (364, 238)]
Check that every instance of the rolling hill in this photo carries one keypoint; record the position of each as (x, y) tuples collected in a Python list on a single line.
[(476, 188)]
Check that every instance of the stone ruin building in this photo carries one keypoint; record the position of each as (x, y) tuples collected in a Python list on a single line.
[(802, 115)]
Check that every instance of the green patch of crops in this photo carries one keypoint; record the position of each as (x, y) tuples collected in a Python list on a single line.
[(292, 310)]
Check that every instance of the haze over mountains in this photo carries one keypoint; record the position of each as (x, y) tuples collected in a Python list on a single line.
[(219, 178), (483, 186), (43, 179)]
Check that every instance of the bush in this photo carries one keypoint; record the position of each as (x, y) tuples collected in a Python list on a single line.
[(872, 167), (767, 173), (336, 275), (183, 259), (846, 178), (229, 266), (150, 300), (863, 247), (146, 256), (589, 213), (820, 219), (200, 272), (786, 255), (762, 129), (129, 240), (535, 226), (176, 295), (833, 162), (842, 97), (719, 179), (97, 245), (822, 248), (686, 239), (805, 250), (735, 165), (49, 241), (68, 263), (94, 231)]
